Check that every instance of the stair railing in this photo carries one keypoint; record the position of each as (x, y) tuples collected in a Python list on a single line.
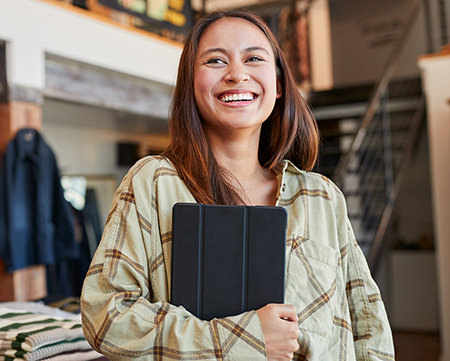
[(375, 98), (380, 149), (373, 255)]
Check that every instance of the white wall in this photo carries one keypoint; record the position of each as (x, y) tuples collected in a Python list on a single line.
[(363, 34), (92, 151), (33, 28), (85, 138), (414, 215), (414, 305)]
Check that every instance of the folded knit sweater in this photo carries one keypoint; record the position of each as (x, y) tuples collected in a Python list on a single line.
[(30, 336)]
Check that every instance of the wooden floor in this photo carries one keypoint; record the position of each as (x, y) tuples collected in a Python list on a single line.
[(411, 346)]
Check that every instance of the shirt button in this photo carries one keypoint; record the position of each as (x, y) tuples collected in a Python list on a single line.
[(283, 187)]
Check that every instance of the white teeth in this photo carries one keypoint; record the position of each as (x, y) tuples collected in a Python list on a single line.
[(237, 97)]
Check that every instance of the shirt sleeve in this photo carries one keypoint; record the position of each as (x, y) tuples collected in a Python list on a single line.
[(124, 320), (371, 330)]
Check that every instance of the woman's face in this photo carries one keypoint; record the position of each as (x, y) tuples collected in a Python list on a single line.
[(235, 82)]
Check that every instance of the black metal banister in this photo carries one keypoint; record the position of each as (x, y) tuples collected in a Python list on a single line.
[(374, 252), (375, 97)]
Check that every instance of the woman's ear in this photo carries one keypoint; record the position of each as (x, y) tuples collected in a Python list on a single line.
[(279, 90)]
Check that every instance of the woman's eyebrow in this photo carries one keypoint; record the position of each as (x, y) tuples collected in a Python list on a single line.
[(253, 48), (223, 51), (213, 50)]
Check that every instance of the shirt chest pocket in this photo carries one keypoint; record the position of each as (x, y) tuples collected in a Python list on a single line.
[(311, 284)]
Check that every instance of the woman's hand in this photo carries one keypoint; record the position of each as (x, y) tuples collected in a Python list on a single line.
[(280, 329)]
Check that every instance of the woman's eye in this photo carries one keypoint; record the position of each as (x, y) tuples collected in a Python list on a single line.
[(254, 59), (215, 61)]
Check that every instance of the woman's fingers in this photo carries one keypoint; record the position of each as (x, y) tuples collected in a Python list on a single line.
[(286, 312), (280, 329)]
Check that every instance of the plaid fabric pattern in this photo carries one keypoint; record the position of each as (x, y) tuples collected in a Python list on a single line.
[(29, 336), (126, 310)]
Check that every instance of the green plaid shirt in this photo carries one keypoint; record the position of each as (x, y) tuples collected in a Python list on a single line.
[(126, 312)]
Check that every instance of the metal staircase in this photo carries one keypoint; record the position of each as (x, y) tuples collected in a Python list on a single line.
[(377, 153)]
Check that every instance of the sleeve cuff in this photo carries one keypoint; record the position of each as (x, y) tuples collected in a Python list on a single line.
[(241, 337)]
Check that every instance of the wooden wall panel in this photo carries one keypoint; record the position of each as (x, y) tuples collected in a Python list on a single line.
[(24, 115), (4, 127), (3, 82), (26, 284)]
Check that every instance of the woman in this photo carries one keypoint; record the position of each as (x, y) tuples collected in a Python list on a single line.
[(235, 116)]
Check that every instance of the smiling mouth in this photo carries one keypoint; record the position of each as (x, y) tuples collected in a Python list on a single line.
[(230, 98)]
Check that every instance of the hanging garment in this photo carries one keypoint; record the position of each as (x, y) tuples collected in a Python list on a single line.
[(35, 220)]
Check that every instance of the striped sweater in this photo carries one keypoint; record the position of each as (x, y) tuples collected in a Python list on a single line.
[(31, 336)]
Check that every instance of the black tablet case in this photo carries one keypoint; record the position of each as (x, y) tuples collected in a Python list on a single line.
[(227, 259)]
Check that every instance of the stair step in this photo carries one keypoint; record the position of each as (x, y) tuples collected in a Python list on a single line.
[(399, 88), (357, 110)]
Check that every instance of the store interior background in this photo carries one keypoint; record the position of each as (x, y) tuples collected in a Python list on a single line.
[(100, 84)]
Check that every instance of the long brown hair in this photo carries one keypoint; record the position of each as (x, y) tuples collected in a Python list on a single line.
[(290, 132)]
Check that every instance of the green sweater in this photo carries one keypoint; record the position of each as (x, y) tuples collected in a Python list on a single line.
[(126, 310)]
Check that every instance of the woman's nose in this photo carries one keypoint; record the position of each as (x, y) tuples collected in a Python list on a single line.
[(236, 74)]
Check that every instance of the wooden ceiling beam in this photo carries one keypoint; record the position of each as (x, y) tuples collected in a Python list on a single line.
[(77, 82)]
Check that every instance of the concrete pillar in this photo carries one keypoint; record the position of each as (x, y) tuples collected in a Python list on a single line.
[(436, 81)]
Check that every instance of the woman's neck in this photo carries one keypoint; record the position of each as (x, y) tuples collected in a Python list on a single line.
[(238, 154), (240, 158)]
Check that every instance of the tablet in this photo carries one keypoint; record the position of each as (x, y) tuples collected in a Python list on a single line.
[(227, 259)]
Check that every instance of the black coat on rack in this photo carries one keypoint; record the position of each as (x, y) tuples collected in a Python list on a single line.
[(36, 225)]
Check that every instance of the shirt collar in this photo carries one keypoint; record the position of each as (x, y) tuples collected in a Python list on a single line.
[(286, 166), (28, 143)]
